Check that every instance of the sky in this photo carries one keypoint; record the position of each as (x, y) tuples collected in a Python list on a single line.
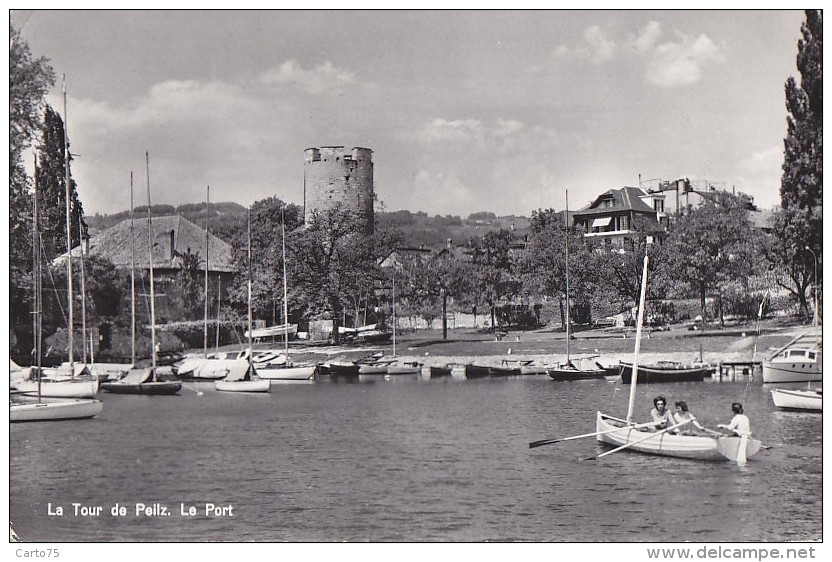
[(465, 111)]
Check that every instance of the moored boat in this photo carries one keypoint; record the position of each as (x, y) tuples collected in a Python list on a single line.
[(54, 410), (287, 373), (788, 399), (578, 369), (667, 371), (505, 370), (406, 368), (801, 360), (143, 381), (440, 371), (69, 388), (476, 371)]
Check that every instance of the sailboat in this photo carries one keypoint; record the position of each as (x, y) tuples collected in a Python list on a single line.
[(209, 367), (624, 434), (585, 368), (243, 378), (39, 408), (283, 369), (70, 380), (110, 371), (146, 381)]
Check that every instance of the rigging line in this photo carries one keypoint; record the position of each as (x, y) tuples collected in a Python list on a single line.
[(754, 353), (52, 280)]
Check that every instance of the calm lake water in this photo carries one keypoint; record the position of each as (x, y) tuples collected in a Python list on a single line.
[(410, 461)]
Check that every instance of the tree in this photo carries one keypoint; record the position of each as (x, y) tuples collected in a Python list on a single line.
[(29, 81), (713, 244), (51, 178), (334, 262), (626, 265), (432, 281), (543, 266), (267, 216), (188, 292), (800, 224), (493, 277)]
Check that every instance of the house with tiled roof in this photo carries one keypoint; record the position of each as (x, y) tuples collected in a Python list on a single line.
[(616, 215), (173, 237)]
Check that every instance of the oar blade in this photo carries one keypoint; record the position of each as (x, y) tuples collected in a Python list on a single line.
[(542, 442)]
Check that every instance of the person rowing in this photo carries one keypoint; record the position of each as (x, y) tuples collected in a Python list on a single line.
[(740, 425), (683, 414)]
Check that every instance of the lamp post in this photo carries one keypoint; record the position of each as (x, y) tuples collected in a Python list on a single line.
[(815, 291)]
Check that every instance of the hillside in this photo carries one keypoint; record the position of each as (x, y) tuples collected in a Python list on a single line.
[(418, 228)]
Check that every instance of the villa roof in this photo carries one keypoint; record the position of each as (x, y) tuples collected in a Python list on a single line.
[(626, 199), (114, 243)]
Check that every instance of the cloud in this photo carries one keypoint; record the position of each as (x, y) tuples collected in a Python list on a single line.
[(444, 131), (466, 165), (647, 37), (559, 52), (324, 78), (682, 62), (668, 64), (600, 48), (505, 127)]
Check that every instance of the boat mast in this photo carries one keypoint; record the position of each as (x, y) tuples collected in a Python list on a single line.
[(249, 294), (150, 253), (36, 300), (68, 239), (568, 315), (219, 303), (285, 289), (132, 281), (207, 202), (394, 311), (83, 297), (634, 378)]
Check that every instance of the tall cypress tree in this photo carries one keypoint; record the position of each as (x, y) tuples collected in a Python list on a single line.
[(801, 188), (51, 177)]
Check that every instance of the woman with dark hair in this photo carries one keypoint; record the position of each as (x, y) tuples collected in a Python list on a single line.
[(740, 424), (741, 427), (662, 417), (683, 415)]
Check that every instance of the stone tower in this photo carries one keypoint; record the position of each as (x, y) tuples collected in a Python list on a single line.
[(333, 175)]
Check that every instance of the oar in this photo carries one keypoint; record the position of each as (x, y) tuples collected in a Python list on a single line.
[(630, 444), (542, 442)]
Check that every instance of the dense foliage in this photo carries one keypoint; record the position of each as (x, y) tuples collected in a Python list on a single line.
[(798, 224)]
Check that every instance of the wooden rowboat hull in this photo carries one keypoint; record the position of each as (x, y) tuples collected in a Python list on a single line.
[(665, 373), (671, 445)]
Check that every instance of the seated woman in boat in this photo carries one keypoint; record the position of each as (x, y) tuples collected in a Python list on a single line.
[(740, 424), (659, 413), (683, 415)]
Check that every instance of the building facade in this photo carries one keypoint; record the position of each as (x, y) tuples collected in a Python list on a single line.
[(616, 215), (333, 176)]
